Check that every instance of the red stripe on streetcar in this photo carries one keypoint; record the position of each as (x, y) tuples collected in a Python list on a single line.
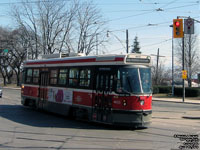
[(74, 61)]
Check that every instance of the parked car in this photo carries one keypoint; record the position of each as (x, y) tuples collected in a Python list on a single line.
[(1, 92)]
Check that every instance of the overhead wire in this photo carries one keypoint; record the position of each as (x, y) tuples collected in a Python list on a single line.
[(157, 43)]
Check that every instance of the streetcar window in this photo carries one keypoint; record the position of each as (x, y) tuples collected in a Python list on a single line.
[(73, 76), (36, 75), (145, 75), (53, 76), (128, 81), (23, 76), (111, 82), (119, 86), (62, 80), (134, 80), (85, 75), (101, 82), (107, 82), (29, 75)]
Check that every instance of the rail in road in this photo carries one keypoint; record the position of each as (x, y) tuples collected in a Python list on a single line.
[(25, 128)]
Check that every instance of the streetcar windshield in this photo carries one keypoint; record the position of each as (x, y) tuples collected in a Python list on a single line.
[(134, 80)]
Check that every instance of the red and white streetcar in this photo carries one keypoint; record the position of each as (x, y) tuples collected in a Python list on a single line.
[(110, 89)]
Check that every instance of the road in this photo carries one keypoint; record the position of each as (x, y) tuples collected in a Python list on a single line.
[(27, 129)]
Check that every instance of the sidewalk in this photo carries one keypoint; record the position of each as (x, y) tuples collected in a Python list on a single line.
[(177, 100), (13, 88), (189, 114)]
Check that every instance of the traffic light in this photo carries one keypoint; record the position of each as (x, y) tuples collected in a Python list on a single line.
[(178, 28)]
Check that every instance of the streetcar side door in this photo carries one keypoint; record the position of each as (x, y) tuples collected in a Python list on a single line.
[(102, 103), (44, 82)]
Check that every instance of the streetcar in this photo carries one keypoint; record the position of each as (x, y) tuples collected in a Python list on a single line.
[(109, 89)]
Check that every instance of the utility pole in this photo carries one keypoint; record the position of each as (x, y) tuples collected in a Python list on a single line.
[(127, 41), (157, 64), (157, 67)]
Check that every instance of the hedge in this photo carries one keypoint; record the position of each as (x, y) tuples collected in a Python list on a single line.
[(178, 91), (189, 92), (162, 89)]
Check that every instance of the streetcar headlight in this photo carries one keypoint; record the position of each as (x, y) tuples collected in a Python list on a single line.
[(22, 89), (141, 102), (124, 102)]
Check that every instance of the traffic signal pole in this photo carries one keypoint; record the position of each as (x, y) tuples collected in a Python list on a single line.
[(179, 33), (183, 67)]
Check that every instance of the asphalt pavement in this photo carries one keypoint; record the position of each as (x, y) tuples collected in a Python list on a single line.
[(189, 114)]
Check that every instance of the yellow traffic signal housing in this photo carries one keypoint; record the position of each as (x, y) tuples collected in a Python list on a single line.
[(178, 28)]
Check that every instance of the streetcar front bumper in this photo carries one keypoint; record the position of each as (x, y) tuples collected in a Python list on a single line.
[(135, 119)]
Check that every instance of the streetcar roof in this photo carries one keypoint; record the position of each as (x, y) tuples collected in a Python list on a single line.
[(114, 59)]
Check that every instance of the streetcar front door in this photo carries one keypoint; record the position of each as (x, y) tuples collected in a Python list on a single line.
[(44, 81), (102, 103)]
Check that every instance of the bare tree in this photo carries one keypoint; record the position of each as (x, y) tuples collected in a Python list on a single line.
[(191, 55), (48, 20), (5, 40), (160, 76), (20, 47), (60, 26), (90, 26)]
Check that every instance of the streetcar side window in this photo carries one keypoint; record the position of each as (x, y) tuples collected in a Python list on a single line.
[(111, 82), (36, 73), (29, 75), (119, 84), (85, 75), (73, 77), (23, 76), (62, 78), (53, 76)]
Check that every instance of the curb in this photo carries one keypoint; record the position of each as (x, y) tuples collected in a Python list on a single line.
[(189, 117), (192, 115), (176, 101)]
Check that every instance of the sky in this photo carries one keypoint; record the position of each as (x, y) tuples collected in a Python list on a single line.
[(149, 20)]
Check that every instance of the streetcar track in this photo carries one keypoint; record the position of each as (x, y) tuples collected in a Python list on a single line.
[(177, 124), (69, 137)]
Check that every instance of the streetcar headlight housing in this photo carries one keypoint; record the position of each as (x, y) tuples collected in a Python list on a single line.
[(124, 102), (141, 102), (22, 89)]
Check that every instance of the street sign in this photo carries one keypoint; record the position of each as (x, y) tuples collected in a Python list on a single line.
[(5, 50), (184, 74), (189, 26)]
